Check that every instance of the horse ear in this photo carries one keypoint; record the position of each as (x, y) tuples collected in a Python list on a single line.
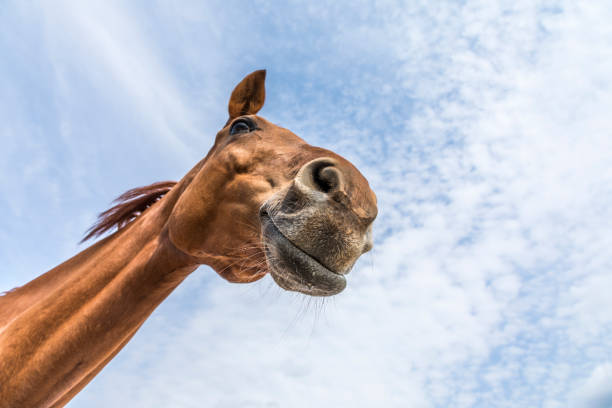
[(249, 95)]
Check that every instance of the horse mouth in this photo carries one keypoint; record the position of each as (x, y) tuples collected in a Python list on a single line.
[(295, 270)]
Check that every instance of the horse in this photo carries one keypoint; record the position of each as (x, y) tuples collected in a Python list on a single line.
[(261, 201)]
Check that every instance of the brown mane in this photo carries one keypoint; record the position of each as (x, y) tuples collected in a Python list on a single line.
[(129, 205)]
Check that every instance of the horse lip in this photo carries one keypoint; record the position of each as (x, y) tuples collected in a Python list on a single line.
[(302, 272), (281, 235)]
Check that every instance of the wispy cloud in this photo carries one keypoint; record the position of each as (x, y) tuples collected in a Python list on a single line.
[(596, 391)]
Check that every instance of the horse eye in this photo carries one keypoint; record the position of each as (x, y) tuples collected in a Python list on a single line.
[(240, 126)]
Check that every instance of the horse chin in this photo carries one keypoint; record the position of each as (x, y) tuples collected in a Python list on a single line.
[(293, 269)]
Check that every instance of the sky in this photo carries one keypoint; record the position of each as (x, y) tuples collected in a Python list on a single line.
[(483, 127)]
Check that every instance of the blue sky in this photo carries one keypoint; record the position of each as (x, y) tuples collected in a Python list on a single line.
[(483, 127)]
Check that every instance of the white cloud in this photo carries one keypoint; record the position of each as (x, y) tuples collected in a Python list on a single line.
[(596, 391), (121, 63)]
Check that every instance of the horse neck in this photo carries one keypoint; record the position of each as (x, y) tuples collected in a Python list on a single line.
[(59, 330)]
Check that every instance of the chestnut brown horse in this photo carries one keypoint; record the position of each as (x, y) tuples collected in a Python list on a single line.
[(262, 200)]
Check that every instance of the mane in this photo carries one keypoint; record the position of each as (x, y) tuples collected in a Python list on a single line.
[(129, 205)]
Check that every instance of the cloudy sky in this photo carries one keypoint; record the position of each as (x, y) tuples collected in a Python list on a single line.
[(484, 128)]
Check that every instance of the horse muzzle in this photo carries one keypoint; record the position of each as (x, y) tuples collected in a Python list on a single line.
[(311, 234)]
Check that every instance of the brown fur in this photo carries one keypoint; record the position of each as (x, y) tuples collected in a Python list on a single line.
[(261, 201), (129, 205)]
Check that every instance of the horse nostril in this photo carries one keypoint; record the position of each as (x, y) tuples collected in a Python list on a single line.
[(321, 175), (326, 178)]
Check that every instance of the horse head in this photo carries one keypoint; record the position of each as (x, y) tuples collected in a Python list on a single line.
[(263, 200)]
